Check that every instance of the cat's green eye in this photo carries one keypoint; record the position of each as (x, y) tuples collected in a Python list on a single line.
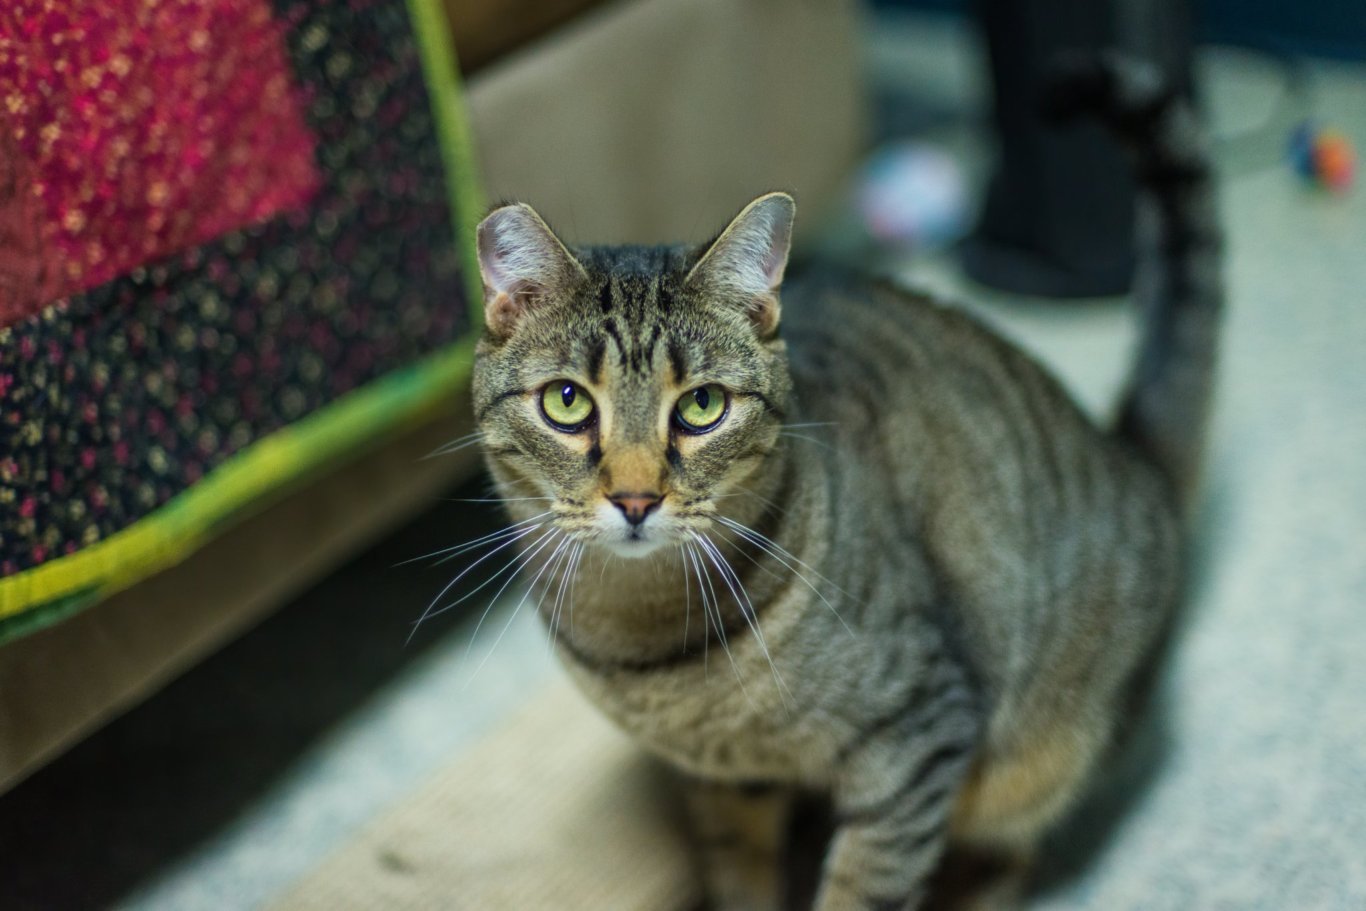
[(566, 405), (701, 409)]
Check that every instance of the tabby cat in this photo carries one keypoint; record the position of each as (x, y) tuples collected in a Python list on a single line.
[(848, 543)]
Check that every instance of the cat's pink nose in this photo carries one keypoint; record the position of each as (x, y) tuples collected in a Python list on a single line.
[(635, 506)]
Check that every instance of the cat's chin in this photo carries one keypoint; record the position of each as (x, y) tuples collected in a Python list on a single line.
[(635, 547)]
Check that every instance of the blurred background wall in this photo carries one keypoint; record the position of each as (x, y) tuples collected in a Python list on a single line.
[(1329, 28)]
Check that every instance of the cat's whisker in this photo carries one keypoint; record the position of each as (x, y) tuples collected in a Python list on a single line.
[(570, 578), (531, 587), (469, 439), (555, 562), (741, 550), (428, 613), (811, 424), (806, 439), (554, 575), (493, 499), (540, 602), (451, 445), (759, 537), (746, 604), (515, 561), (687, 598), (520, 562), (751, 616), (709, 602), (721, 632), (727, 570), (745, 491), (709, 605), (539, 519), (570, 572), (776, 551), (573, 583), (559, 594), (456, 549), (706, 616), (774, 575)]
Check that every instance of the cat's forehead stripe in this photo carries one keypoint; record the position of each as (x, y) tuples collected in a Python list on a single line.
[(635, 347), (664, 293), (609, 326), (605, 295), (646, 352), (677, 359), (596, 351)]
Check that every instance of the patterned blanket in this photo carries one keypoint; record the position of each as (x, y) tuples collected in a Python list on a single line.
[(232, 248)]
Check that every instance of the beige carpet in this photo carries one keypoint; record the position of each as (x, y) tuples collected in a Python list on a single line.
[(556, 810)]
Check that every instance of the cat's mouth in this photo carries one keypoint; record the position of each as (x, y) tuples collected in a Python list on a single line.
[(636, 543)]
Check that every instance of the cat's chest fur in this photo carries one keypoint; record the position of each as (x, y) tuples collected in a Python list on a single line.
[(700, 718), (776, 710)]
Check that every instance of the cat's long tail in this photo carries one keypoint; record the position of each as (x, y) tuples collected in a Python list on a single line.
[(1179, 282)]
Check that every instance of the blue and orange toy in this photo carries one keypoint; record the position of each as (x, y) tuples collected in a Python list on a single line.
[(1324, 157)]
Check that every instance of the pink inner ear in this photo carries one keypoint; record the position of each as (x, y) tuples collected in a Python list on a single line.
[(751, 254), (497, 273), (508, 303), (502, 312), (517, 260), (518, 254), (775, 261), (777, 233), (764, 313), (494, 256)]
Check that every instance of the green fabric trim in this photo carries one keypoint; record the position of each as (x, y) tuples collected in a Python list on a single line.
[(442, 76)]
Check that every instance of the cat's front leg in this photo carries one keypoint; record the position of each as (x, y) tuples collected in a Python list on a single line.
[(892, 811), (741, 834)]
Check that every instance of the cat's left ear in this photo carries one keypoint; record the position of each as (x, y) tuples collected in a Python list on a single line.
[(521, 262), (748, 259)]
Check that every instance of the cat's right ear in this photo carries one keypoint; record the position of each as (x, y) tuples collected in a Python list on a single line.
[(521, 261), (747, 260)]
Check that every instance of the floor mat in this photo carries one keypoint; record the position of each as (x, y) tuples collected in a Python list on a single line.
[(555, 810)]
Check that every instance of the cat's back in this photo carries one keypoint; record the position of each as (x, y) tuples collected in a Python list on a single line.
[(861, 331), (947, 410), (936, 428), (900, 369)]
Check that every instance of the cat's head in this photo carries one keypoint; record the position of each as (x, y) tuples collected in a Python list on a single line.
[(630, 391)]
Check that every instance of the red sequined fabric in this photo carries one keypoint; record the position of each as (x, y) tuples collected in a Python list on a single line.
[(133, 129)]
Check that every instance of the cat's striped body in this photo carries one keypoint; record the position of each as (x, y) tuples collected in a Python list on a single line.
[(904, 571)]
